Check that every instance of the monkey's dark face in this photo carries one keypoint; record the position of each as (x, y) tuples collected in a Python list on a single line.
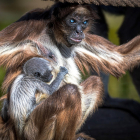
[(70, 23), (45, 77), (39, 68), (76, 23)]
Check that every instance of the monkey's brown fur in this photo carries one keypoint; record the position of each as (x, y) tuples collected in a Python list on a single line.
[(44, 29), (61, 112)]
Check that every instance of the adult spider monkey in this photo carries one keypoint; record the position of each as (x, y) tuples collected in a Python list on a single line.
[(64, 34), (57, 117)]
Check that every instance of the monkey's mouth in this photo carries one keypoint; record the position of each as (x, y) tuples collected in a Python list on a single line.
[(76, 40)]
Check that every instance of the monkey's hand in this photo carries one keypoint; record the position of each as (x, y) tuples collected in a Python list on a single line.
[(63, 70), (60, 76)]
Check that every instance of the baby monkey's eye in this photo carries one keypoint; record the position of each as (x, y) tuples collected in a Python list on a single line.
[(37, 74)]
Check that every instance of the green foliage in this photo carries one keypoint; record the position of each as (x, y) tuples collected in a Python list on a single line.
[(2, 74)]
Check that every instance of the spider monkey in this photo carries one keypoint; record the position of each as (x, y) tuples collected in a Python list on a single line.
[(36, 71), (67, 31)]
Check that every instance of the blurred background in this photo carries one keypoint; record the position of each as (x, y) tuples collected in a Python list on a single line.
[(12, 10)]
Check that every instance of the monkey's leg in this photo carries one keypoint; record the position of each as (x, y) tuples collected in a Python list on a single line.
[(68, 119), (7, 131), (91, 96), (91, 99), (57, 117)]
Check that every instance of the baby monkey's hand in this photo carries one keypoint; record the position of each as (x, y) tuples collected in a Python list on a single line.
[(63, 70)]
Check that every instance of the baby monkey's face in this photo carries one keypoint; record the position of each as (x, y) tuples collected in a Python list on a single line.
[(45, 77), (39, 68)]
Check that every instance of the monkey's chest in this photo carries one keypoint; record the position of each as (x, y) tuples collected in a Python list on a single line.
[(73, 76)]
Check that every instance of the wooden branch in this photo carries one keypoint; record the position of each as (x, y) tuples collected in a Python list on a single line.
[(130, 3)]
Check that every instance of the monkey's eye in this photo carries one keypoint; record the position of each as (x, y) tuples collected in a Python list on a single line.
[(85, 22), (72, 20), (37, 74)]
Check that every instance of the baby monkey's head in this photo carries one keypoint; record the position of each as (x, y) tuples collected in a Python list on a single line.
[(39, 68)]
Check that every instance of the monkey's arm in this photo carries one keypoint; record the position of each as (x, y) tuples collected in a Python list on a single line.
[(49, 89), (99, 53), (56, 83)]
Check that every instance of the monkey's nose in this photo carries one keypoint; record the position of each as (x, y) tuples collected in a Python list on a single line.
[(79, 31)]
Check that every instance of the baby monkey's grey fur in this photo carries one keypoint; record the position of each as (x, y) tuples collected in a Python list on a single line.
[(40, 69), (36, 71)]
